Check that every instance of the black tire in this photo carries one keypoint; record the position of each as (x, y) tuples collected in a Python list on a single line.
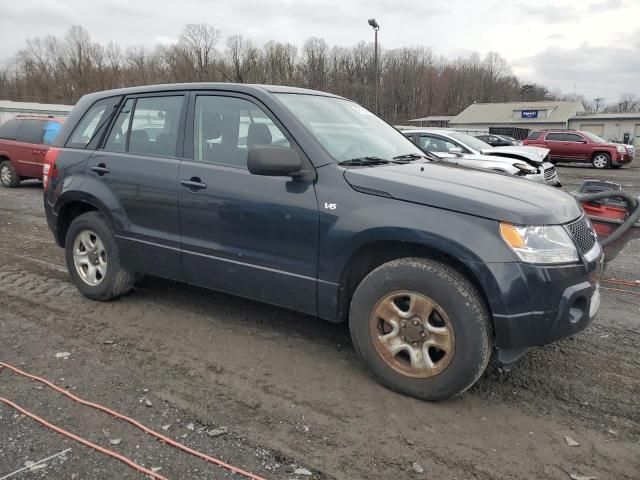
[(116, 281), (601, 160), (8, 175), (465, 311)]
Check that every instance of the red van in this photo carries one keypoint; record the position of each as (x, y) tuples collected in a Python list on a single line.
[(24, 141), (579, 146)]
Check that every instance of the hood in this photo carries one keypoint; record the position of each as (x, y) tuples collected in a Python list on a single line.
[(532, 155), (474, 192)]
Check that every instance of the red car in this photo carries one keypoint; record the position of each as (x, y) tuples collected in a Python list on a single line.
[(579, 146), (24, 140)]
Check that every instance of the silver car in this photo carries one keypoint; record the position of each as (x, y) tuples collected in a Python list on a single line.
[(451, 146)]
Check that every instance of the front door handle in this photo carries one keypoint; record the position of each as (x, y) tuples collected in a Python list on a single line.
[(194, 184), (100, 169)]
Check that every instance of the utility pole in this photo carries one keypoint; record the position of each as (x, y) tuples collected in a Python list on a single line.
[(376, 27)]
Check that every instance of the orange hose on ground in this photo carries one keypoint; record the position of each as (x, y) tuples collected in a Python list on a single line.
[(135, 423), (86, 443), (620, 290), (622, 282)]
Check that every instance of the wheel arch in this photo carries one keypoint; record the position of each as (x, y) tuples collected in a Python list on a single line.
[(370, 256), (70, 208)]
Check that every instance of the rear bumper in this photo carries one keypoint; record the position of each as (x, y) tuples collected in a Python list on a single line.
[(536, 305)]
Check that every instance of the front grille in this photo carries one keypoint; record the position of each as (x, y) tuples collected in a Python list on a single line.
[(582, 234), (549, 173)]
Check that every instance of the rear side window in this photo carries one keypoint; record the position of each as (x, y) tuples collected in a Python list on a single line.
[(557, 137), (93, 122), (9, 129), (435, 144), (117, 139), (51, 131), (154, 127), (534, 135), (31, 131)]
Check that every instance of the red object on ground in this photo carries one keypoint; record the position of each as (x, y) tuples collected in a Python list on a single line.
[(605, 218)]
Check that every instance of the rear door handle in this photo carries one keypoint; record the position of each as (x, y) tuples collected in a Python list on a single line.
[(100, 169), (194, 184)]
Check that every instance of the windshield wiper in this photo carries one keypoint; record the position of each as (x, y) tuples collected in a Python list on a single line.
[(364, 162), (409, 157)]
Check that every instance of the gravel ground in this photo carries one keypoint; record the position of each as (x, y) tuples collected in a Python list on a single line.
[(288, 388)]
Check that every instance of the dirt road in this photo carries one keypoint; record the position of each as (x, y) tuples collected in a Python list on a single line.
[(289, 389)]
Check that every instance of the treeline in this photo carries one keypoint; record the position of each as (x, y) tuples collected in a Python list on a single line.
[(413, 82)]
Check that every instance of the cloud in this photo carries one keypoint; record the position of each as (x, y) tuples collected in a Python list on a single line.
[(606, 6), (36, 12), (166, 41), (594, 70), (550, 14)]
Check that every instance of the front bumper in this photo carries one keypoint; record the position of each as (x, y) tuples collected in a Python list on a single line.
[(542, 304), (622, 159)]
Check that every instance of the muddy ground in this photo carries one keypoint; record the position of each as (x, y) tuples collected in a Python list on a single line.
[(289, 389)]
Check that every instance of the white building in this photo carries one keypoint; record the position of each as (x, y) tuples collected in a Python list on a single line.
[(516, 119), (10, 109), (615, 127)]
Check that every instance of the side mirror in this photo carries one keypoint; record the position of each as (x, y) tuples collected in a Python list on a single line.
[(273, 161), (457, 151)]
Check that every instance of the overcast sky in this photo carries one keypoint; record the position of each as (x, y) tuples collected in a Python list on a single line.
[(590, 45)]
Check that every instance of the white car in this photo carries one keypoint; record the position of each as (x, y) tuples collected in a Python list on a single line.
[(451, 146)]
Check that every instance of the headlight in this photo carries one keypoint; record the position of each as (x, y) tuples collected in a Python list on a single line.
[(526, 168), (539, 243), (621, 149)]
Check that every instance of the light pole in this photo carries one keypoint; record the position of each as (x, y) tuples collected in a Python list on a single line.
[(376, 27)]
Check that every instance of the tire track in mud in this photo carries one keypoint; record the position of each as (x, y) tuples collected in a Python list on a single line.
[(562, 379)]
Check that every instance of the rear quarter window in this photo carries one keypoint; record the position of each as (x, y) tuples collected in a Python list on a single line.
[(92, 123), (557, 137), (9, 129)]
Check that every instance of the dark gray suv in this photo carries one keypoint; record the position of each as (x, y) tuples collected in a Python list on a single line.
[(308, 201)]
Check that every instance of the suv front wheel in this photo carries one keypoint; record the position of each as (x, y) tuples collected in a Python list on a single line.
[(421, 327), (601, 160), (93, 261)]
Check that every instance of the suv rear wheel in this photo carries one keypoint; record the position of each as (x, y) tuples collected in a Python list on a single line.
[(93, 260), (421, 327), (601, 160), (8, 175)]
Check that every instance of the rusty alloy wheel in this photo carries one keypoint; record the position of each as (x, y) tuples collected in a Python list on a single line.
[(413, 334)]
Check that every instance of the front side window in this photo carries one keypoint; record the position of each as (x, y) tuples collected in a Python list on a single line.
[(436, 144), (555, 137), (154, 127), (345, 129), (469, 142), (594, 138), (9, 129), (226, 127), (31, 131), (572, 137), (93, 122)]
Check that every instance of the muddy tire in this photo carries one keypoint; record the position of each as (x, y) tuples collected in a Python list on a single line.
[(601, 160), (422, 328), (8, 175), (93, 259)]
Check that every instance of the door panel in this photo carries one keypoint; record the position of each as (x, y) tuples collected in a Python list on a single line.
[(29, 149), (141, 172), (249, 235)]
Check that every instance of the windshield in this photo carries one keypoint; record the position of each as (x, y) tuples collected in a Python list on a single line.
[(469, 141), (346, 130), (593, 137)]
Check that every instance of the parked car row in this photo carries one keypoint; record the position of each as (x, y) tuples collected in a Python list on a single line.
[(581, 146), (499, 140), (531, 163)]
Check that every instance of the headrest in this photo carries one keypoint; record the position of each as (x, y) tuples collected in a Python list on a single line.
[(259, 134)]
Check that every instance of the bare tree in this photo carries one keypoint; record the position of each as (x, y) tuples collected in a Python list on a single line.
[(242, 57), (199, 42)]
